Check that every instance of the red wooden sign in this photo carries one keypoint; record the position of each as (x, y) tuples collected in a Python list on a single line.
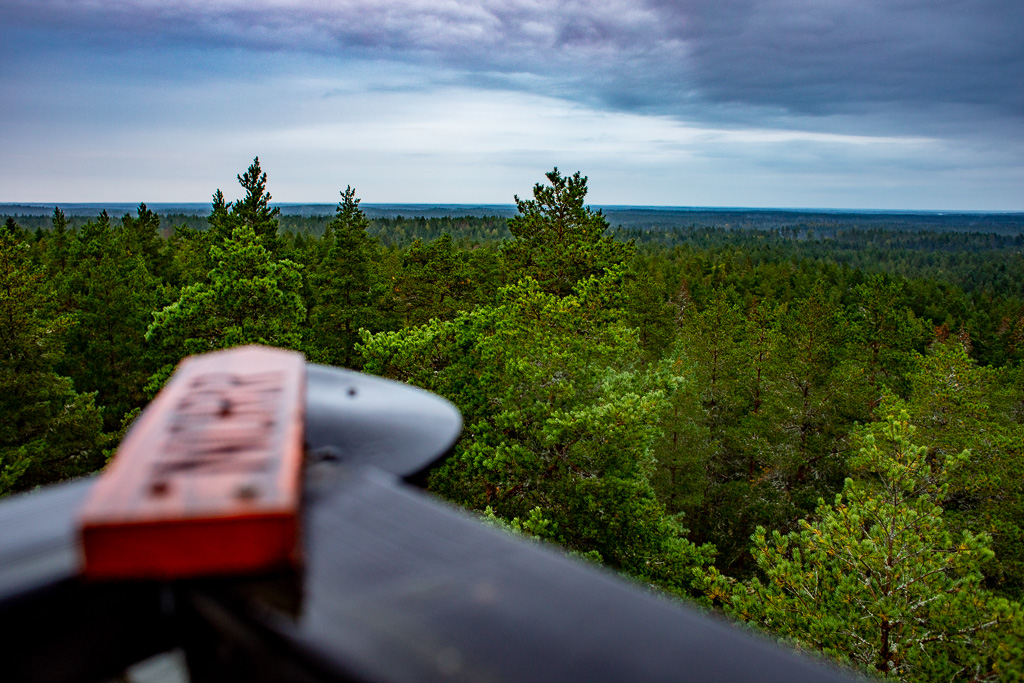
[(207, 481)]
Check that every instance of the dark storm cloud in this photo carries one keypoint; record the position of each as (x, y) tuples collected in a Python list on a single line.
[(823, 57), (737, 61)]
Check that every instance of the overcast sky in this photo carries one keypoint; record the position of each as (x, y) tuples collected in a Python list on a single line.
[(889, 104)]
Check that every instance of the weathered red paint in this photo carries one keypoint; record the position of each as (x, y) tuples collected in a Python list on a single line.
[(207, 481)]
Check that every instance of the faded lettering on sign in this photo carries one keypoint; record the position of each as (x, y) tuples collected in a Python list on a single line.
[(224, 424)]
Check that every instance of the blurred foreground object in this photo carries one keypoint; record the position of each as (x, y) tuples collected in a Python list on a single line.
[(393, 585), (207, 481)]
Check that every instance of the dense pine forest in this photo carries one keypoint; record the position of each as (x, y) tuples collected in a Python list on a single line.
[(818, 432)]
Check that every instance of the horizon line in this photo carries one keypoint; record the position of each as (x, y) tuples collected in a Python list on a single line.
[(511, 206)]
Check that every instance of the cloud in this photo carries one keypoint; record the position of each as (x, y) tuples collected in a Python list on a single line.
[(730, 59), (446, 145), (818, 56), (451, 29), (906, 102)]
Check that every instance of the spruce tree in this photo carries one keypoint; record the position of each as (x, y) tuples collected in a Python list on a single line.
[(112, 292), (140, 236), (49, 431), (15, 230), (254, 211), (220, 220), (345, 292)]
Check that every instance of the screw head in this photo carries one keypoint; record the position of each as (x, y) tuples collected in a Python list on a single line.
[(247, 492)]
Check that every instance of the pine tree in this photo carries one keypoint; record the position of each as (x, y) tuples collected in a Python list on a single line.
[(954, 404), (559, 422), (648, 309), (877, 579), (814, 398), (249, 298), (556, 239), (436, 281), (56, 243), (190, 256), (886, 333)]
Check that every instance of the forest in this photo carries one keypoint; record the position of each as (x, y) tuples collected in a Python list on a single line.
[(819, 433)]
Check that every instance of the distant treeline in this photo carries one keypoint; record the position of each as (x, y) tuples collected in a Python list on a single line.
[(314, 217), (822, 223), (399, 231), (983, 264)]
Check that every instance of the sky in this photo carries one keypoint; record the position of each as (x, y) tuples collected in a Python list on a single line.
[(872, 104)]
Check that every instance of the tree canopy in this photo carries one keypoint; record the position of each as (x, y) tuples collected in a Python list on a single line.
[(556, 239), (816, 429)]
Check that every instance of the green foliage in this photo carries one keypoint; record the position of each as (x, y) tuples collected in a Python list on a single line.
[(221, 220), (140, 238), (112, 292), (249, 298), (560, 417), (649, 309), (16, 231), (346, 289), (56, 245), (556, 239), (761, 437), (877, 579), (189, 251), (887, 334), (818, 391), (253, 210), (556, 419), (956, 405), (402, 231), (49, 431), (437, 280)]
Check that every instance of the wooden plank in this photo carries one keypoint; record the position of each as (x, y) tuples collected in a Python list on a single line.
[(207, 482)]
